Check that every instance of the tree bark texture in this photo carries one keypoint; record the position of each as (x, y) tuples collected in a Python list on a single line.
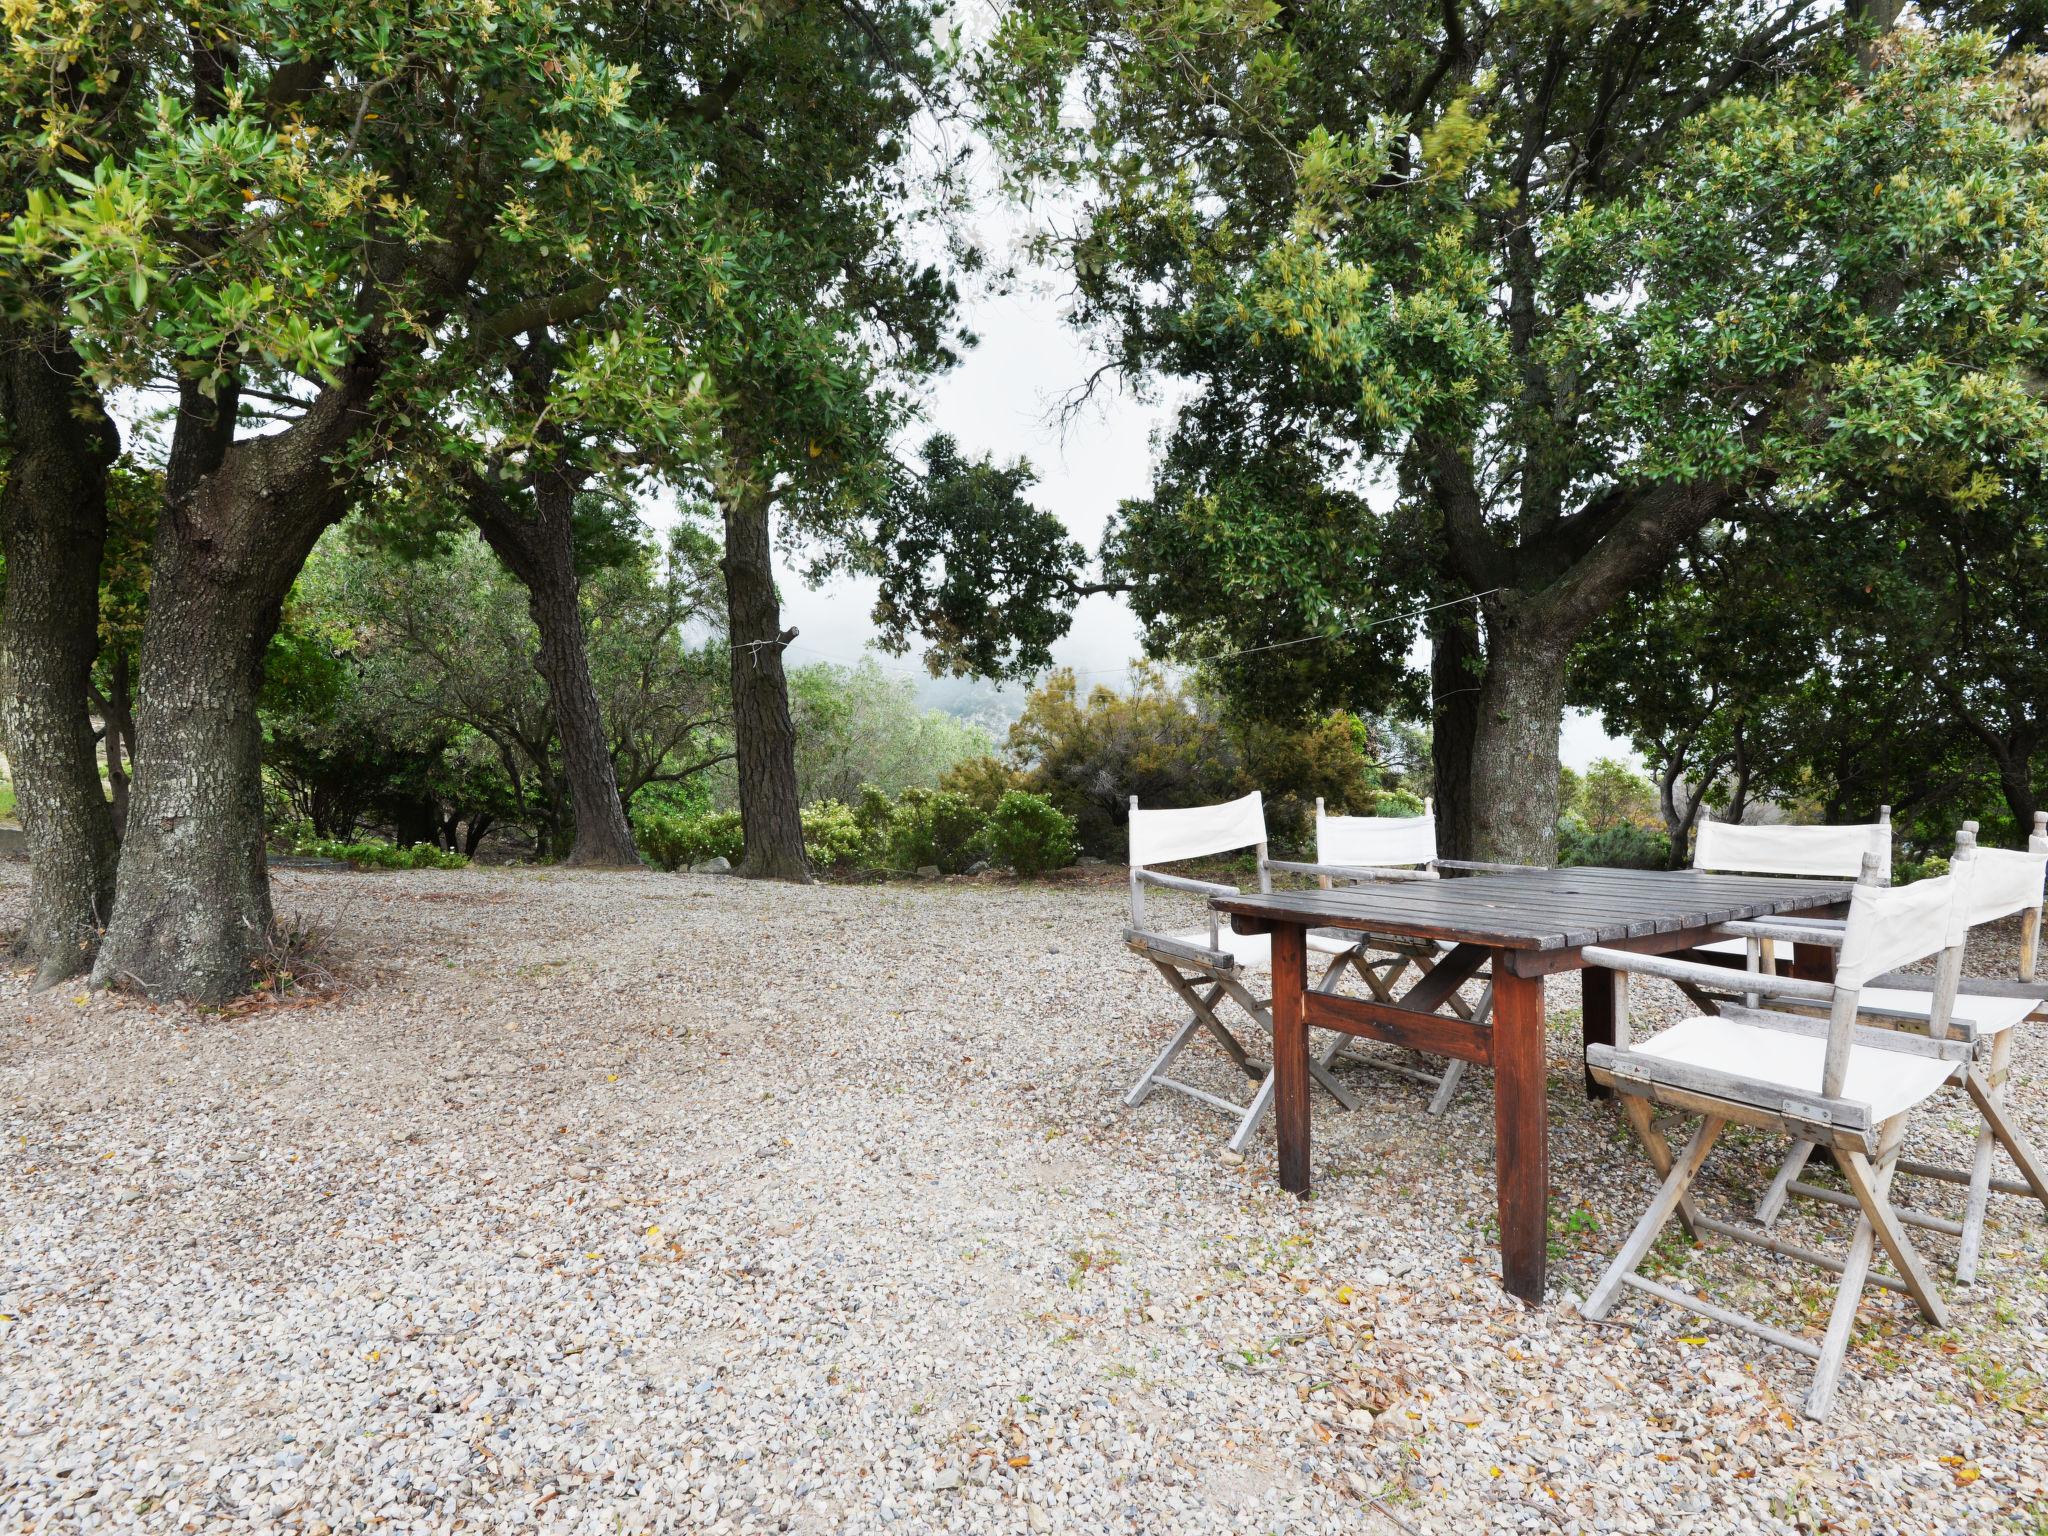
[(1515, 741), (53, 525), (1456, 668), (765, 736), (535, 540), (192, 896)]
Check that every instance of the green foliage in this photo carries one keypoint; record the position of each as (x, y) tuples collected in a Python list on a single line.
[(935, 827), (676, 842), (407, 680), (1611, 794), (1570, 282), (983, 780), (1089, 756), (1030, 835), (1622, 845), (373, 853), (857, 726), (1171, 747), (834, 837), (971, 566)]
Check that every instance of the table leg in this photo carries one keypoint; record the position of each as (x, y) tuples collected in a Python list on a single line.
[(1520, 1129), (1813, 962), (1596, 1019), (1290, 1055)]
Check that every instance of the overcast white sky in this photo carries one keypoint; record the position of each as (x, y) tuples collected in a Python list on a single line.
[(1004, 399)]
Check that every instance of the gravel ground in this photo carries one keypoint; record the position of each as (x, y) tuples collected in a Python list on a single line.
[(609, 1203)]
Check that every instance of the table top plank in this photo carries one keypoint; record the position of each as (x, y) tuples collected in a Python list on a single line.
[(1541, 909)]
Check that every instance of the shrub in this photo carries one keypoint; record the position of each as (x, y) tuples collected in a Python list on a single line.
[(935, 827), (1397, 802), (1624, 846), (834, 837), (983, 780), (676, 842), (1030, 834), (372, 853)]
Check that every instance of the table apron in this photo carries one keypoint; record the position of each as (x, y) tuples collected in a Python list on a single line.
[(1549, 962)]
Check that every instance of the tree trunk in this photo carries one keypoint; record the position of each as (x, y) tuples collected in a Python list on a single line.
[(537, 543), (770, 814), (1456, 667), (192, 895), (53, 526), (1515, 741)]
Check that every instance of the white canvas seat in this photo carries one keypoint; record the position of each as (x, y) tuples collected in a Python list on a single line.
[(1833, 1080), (1355, 849), (1888, 1081), (1820, 853), (1204, 966), (2001, 882)]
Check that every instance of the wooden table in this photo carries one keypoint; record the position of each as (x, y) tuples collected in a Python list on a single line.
[(1530, 924)]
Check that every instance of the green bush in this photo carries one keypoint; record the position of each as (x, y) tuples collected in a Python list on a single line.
[(835, 838), (373, 853), (676, 842), (983, 780), (935, 827), (1030, 834), (1397, 802), (1622, 846)]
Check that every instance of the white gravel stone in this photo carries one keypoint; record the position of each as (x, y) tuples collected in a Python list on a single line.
[(617, 1203)]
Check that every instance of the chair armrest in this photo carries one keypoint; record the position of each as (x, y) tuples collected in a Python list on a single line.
[(1348, 871), (1972, 986), (1719, 977), (1485, 867), (1786, 930), (1158, 944), (1183, 883)]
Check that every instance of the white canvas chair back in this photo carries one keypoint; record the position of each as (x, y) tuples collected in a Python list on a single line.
[(1375, 842), (1818, 852), (1197, 831), (2006, 881)]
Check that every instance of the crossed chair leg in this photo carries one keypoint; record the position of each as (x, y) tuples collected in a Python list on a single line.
[(1201, 991), (1442, 1081), (1870, 1178), (1986, 1086)]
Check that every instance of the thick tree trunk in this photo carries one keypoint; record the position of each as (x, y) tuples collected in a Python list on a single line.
[(53, 525), (1515, 742), (192, 897), (770, 813), (536, 542), (1456, 668)]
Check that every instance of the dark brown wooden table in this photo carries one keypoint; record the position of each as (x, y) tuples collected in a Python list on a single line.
[(1529, 924)]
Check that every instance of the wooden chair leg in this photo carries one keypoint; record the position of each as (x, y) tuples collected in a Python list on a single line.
[(1148, 1079), (1991, 1105), (1834, 1348), (1669, 1194), (1872, 1195), (1773, 1202), (1644, 1120), (1978, 1200)]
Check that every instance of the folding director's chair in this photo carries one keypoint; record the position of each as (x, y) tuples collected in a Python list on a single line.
[(1205, 965), (1832, 1081)]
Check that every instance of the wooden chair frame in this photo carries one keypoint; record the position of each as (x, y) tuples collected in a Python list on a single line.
[(1867, 1148), (1984, 1082), (1203, 978)]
